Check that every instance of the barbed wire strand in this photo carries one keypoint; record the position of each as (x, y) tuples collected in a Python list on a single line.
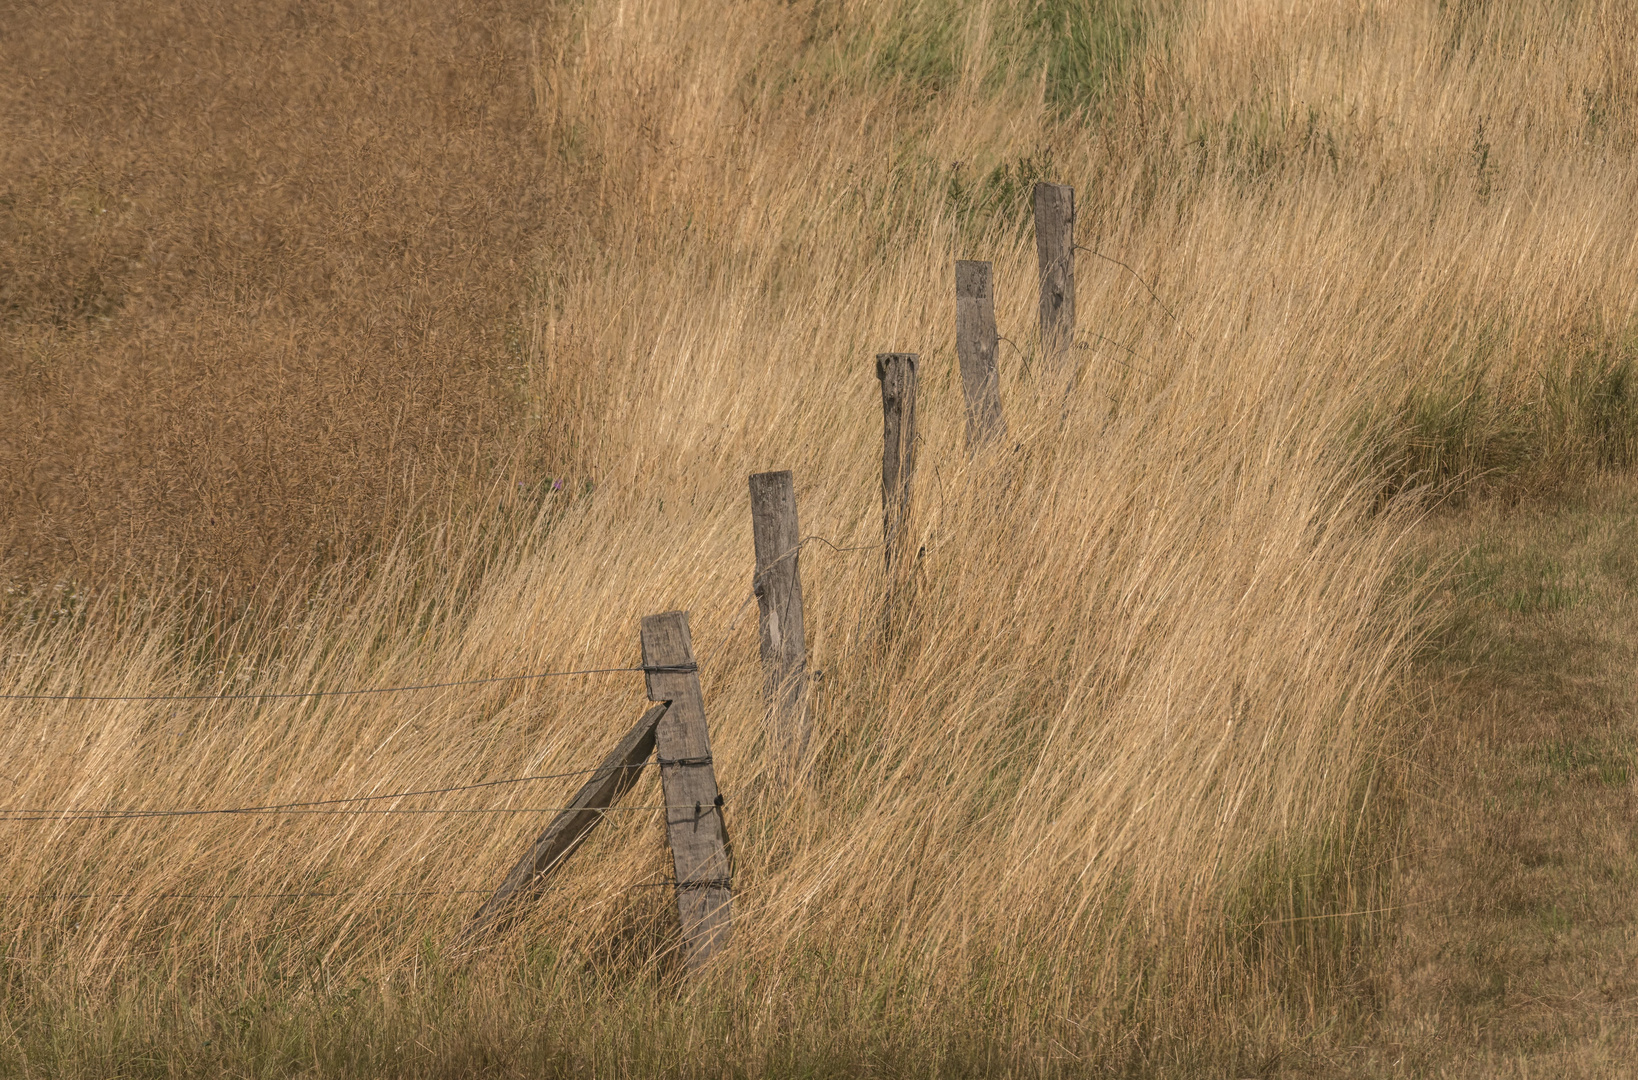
[(1127, 349), (242, 896), (273, 694), (276, 807), (1152, 294), (133, 815), (727, 635), (304, 895), (307, 807), (833, 547), (276, 695), (1130, 352)]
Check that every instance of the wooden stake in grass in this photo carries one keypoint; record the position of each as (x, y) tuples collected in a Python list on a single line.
[(897, 372), (976, 344), (570, 828), (693, 818), (778, 588), (1055, 251)]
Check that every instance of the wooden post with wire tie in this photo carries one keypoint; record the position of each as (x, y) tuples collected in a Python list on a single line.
[(1055, 253), (977, 342), (778, 589), (897, 373), (694, 822)]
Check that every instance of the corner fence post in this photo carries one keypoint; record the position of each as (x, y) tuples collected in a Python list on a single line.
[(976, 344), (778, 589), (897, 372), (1055, 252), (693, 818)]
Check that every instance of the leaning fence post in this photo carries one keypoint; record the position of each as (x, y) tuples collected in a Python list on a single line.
[(778, 588), (1055, 251), (897, 372), (693, 818), (976, 344)]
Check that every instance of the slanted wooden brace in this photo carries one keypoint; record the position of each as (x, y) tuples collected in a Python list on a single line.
[(569, 829), (675, 731), (693, 818)]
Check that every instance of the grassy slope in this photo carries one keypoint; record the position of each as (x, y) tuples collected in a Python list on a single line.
[(1514, 936), (1085, 812)]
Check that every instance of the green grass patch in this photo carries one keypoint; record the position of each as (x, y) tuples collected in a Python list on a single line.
[(1074, 50), (1082, 46), (1466, 432)]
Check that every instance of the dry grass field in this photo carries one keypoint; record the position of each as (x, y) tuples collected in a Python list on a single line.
[(261, 276), (1512, 950), (348, 346)]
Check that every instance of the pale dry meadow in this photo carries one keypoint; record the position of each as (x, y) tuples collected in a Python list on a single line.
[(1118, 793)]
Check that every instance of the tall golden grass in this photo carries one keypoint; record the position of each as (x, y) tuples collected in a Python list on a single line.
[(1107, 797)]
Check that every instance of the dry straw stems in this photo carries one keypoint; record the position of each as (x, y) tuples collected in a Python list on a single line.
[(1088, 804)]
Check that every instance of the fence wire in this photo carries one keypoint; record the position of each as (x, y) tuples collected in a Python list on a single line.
[(277, 695), (274, 694), (303, 894), (307, 807), (137, 815), (340, 806)]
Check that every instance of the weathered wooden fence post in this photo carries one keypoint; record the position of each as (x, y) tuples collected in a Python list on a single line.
[(976, 345), (1055, 250), (693, 818), (897, 372), (778, 588)]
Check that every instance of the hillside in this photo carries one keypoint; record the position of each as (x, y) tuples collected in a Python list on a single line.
[(346, 348)]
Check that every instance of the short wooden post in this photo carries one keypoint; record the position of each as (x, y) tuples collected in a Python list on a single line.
[(1055, 250), (693, 818), (613, 778), (778, 588), (976, 345), (897, 372)]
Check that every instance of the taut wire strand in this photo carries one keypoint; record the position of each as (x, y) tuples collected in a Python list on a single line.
[(274, 808), (134, 815), (271, 695)]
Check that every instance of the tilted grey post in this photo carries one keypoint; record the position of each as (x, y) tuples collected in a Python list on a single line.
[(778, 588), (977, 342), (693, 818), (612, 779), (1055, 252)]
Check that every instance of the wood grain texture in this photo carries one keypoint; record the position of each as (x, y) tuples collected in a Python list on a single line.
[(778, 587), (897, 372), (977, 342), (569, 829), (693, 820), (1055, 252)]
